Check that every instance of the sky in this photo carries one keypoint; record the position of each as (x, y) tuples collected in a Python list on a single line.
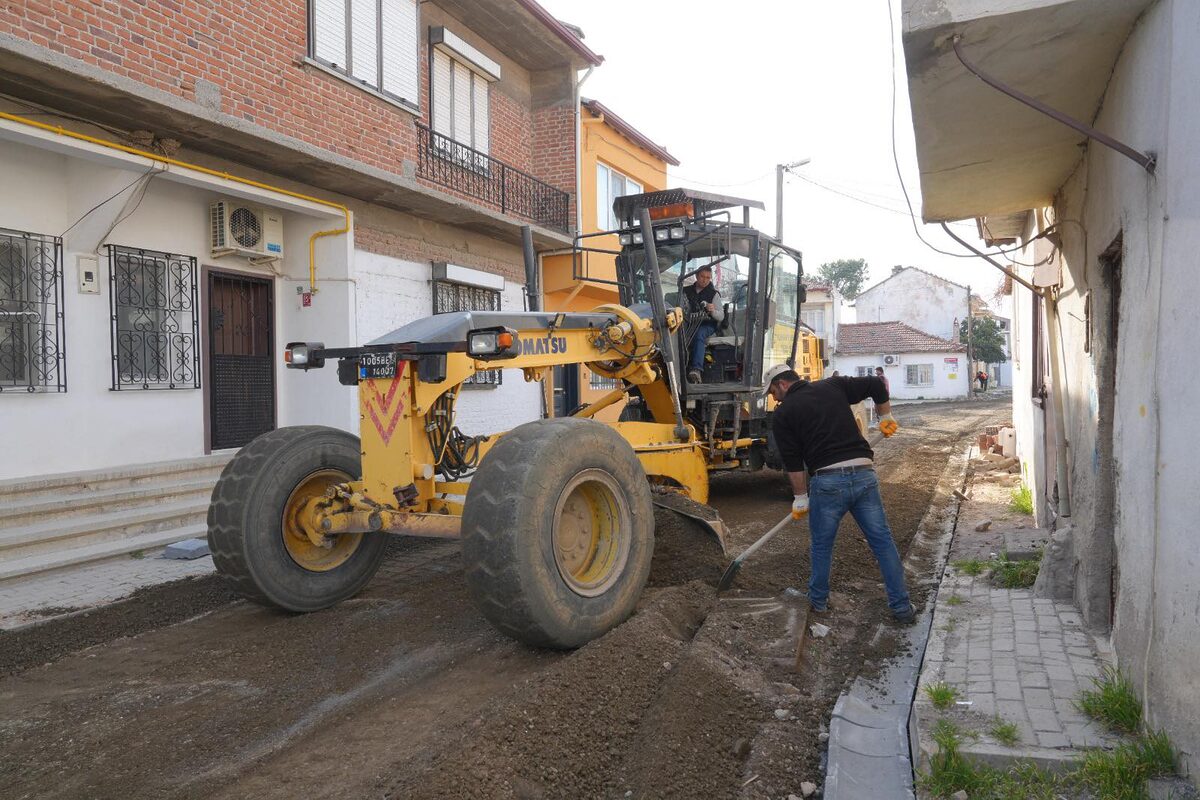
[(733, 88)]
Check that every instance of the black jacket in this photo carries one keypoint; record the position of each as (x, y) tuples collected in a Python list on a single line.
[(814, 426), (695, 298)]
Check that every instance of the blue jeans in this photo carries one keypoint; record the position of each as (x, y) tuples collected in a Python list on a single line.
[(696, 355), (830, 496)]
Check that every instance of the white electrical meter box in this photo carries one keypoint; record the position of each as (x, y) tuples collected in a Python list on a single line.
[(89, 274)]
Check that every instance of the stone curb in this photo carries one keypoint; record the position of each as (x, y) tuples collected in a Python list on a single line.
[(870, 734)]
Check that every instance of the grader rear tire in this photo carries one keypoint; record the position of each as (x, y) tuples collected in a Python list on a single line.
[(253, 536), (558, 532)]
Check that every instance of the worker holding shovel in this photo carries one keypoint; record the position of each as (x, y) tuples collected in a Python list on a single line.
[(831, 469)]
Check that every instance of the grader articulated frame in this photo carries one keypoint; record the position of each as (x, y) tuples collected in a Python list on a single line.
[(556, 519)]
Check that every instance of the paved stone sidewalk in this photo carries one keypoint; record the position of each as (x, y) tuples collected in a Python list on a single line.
[(1008, 655), (36, 597), (1016, 657)]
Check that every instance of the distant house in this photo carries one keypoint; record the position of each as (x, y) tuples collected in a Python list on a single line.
[(1001, 374), (822, 312), (917, 298), (917, 366)]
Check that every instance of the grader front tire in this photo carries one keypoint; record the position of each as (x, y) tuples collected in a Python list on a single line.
[(558, 532), (253, 530)]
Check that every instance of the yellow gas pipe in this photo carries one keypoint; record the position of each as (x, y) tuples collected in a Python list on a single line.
[(312, 240)]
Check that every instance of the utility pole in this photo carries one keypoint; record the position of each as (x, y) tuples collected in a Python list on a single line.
[(779, 170), (970, 348)]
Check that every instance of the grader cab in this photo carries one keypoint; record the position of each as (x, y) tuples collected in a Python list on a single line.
[(555, 516)]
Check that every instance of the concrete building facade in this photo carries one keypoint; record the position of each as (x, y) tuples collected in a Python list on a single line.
[(823, 312), (168, 169), (917, 298), (615, 159), (1114, 233)]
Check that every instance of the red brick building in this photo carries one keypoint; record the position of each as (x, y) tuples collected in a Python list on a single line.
[(145, 303)]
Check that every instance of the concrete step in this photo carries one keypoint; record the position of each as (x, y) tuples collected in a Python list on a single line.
[(96, 551), (47, 508), (21, 541), (50, 487)]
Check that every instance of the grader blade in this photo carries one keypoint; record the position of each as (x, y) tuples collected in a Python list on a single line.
[(707, 516)]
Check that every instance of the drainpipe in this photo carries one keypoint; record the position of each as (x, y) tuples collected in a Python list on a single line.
[(579, 152), (1060, 389), (1057, 370)]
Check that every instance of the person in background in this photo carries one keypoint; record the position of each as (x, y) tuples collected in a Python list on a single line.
[(829, 461), (879, 374), (702, 298)]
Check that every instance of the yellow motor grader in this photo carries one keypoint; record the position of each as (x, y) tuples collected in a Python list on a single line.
[(555, 516)]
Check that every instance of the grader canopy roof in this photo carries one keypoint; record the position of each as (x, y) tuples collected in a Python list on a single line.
[(627, 208)]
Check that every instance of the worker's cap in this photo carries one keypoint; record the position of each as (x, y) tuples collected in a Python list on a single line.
[(773, 373)]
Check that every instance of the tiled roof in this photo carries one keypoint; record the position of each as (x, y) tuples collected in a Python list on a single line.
[(628, 131), (891, 337)]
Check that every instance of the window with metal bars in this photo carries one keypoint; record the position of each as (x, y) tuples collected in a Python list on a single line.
[(32, 346), (155, 324), (918, 375), (597, 381), (449, 297)]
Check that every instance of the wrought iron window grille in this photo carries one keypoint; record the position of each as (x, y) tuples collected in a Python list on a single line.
[(449, 297), (463, 169), (32, 342), (155, 319), (601, 382)]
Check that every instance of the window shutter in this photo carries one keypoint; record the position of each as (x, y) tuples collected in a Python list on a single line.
[(480, 103), (364, 39), (329, 31), (442, 71), (462, 103), (400, 52)]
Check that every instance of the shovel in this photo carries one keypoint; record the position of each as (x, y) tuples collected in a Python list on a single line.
[(732, 570)]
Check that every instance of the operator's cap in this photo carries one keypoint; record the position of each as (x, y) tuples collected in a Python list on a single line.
[(773, 373)]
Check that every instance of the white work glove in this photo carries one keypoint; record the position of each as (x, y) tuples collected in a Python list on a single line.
[(888, 425), (800, 506)]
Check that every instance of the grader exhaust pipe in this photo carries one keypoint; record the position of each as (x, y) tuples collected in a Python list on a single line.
[(666, 341), (533, 294)]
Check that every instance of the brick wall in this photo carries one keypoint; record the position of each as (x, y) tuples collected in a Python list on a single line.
[(253, 52), (425, 249), (554, 148)]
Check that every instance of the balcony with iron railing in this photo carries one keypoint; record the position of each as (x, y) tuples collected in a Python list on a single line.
[(473, 174)]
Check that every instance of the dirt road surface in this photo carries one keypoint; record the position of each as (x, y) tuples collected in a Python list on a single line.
[(406, 692)]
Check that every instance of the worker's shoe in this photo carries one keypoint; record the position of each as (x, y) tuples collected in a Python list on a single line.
[(906, 617), (694, 376)]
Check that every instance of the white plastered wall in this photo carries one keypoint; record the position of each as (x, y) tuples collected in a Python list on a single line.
[(1151, 104), (90, 426), (393, 292), (949, 379), (917, 299)]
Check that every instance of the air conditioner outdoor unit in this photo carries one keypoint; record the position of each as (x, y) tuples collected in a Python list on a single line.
[(246, 230), (891, 361)]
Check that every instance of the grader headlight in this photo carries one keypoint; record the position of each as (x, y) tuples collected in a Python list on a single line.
[(304, 355), (492, 343)]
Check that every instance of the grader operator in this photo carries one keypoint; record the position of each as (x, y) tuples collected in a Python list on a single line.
[(555, 516)]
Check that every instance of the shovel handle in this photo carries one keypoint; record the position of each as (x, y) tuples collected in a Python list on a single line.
[(766, 537)]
